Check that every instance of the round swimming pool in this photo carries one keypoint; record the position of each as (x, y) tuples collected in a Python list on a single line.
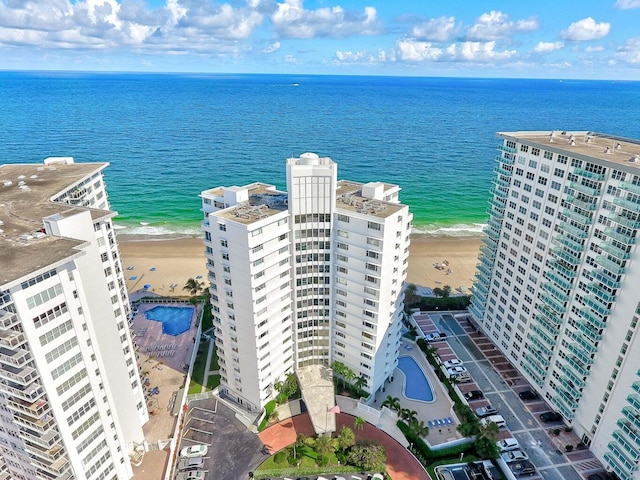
[(416, 384), (175, 320)]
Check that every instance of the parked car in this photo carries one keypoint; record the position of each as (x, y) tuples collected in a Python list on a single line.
[(454, 362), (528, 395), (486, 411), (473, 394), (435, 336), (514, 456), (195, 475), (190, 463), (550, 417), (194, 451), (508, 444), (525, 467), (454, 370), (497, 419)]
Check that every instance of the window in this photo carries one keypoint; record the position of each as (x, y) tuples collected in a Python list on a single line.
[(224, 243), (374, 226), (223, 227)]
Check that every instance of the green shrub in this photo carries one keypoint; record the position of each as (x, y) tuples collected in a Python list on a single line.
[(280, 457)]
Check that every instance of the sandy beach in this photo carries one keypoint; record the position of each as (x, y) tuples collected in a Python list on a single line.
[(163, 263)]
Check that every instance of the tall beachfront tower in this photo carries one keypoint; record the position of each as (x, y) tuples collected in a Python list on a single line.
[(305, 277), (558, 283), (71, 401)]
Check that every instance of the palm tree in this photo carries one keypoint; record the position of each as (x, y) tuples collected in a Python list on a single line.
[(392, 403), (408, 415), (359, 422), (193, 286), (446, 291), (360, 382), (348, 374), (338, 369), (418, 428), (346, 438), (324, 445)]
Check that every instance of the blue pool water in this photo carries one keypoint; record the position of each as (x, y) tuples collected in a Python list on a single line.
[(175, 320), (416, 385)]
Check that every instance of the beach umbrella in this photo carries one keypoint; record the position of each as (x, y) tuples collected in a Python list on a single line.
[(147, 286)]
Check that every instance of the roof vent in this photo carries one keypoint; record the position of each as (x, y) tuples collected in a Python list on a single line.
[(39, 234), (26, 237)]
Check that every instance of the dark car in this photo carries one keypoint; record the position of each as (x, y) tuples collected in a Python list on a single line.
[(474, 395), (522, 468), (550, 417), (528, 395)]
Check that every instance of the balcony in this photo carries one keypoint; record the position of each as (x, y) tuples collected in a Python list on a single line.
[(580, 354), (573, 230), (589, 206), (558, 279), (588, 330), (480, 288), (29, 394), (586, 344), (629, 205), (576, 381), (630, 187), (565, 241), (504, 148), (549, 342), (46, 441), (601, 293), (497, 213), (42, 426), (561, 400), (496, 203), (577, 365), (562, 269), (537, 374), (572, 391), (548, 317), (561, 296), (578, 217), (35, 409), (46, 454), (605, 277), (500, 170), (498, 182), (16, 358), (551, 301), (624, 220), (617, 234), (484, 269), (591, 302), (8, 319), (57, 468), (548, 328), (632, 433), (498, 192), (634, 400), (620, 460), (630, 448), (598, 177), (610, 265), (593, 192), (616, 251), (22, 376), (11, 338)]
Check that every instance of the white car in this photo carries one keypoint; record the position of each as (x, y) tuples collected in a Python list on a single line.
[(497, 419), (508, 444), (195, 475), (454, 370), (454, 362), (514, 456), (194, 451)]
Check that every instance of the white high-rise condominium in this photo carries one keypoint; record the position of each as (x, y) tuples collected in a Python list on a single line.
[(558, 284), (71, 401), (305, 277)]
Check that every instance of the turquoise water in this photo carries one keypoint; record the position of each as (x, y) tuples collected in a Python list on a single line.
[(175, 320), (416, 386), (168, 137)]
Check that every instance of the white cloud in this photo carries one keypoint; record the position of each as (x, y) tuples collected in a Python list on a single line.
[(594, 48), (627, 4), (630, 51), (480, 52), (546, 47), (177, 26), (274, 47), (441, 29), (411, 50), (586, 29), (496, 25), (293, 21)]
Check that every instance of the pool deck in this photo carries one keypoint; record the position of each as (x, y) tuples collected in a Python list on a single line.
[(163, 359), (441, 407)]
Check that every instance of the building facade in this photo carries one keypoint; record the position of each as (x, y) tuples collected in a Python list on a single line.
[(557, 286), (305, 277), (71, 402)]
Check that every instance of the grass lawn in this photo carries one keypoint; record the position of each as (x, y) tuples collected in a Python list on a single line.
[(197, 377)]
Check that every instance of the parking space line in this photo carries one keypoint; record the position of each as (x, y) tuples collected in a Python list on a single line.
[(200, 420)]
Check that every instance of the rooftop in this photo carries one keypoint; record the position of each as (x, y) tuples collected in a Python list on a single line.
[(349, 197), (609, 148), (25, 193)]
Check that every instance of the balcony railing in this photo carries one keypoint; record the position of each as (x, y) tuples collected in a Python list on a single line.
[(600, 292), (580, 354), (610, 265), (598, 177), (573, 230), (624, 220), (589, 206), (607, 278), (578, 217), (593, 192), (558, 279), (629, 205), (600, 309), (630, 187), (626, 238), (616, 251)]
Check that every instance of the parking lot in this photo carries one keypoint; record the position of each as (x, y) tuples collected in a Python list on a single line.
[(233, 451), (500, 382)]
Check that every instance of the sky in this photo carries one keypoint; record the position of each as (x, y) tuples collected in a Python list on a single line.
[(586, 39)]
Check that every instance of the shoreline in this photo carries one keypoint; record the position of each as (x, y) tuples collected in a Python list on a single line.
[(165, 264)]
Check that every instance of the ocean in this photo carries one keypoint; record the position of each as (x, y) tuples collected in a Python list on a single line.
[(167, 137)]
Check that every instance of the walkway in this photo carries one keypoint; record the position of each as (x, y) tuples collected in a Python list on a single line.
[(205, 379), (401, 464)]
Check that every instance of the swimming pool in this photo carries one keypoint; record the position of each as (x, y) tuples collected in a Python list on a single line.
[(175, 320), (416, 385)]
